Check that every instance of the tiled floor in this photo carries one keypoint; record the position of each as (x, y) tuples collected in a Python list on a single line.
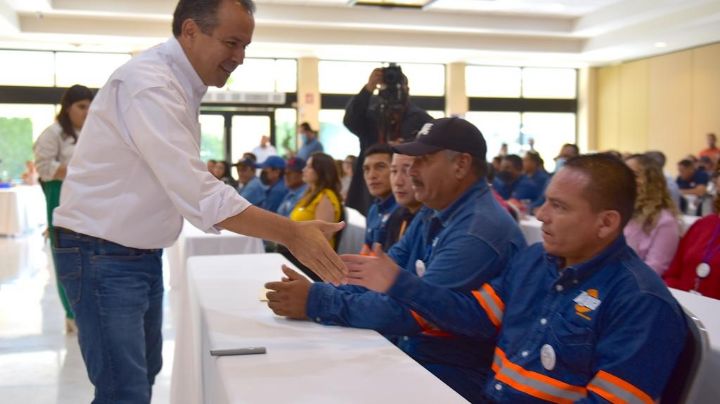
[(38, 362)]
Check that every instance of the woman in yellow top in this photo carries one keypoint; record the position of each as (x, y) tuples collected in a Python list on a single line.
[(322, 200)]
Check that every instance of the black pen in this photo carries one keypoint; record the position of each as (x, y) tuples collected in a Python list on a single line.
[(253, 350)]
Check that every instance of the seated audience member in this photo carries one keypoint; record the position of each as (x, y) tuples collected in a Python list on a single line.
[(310, 142), (348, 165), (376, 173), (211, 164), (654, 230), (514, 213), (672, 186), (294, 184), (273, 170), (534, 170), (321, 200), (512, 185), (696, 265), (402, 190), (249, 185), (264, 150), (712, 151), (220, 171), (460, 240), (578, 317), (692, 182), (567, 151)]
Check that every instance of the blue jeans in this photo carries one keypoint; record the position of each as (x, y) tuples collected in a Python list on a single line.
[(116, 293)]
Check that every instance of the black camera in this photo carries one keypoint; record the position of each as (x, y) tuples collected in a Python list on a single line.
[(394, 92)]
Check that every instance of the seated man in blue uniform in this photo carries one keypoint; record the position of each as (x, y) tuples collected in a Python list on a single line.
[(511, 183), (376, 173), (459, 241), (579, 317), (273, 171)]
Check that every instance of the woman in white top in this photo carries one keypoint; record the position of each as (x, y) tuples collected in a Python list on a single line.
[(53, 150)]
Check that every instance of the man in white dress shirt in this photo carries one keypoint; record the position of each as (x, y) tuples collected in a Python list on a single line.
[(135, 176)]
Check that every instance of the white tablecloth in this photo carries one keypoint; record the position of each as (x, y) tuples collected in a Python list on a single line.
[(305, 362), (193, 241), (22, 208), (354, 234), (531, 227), (707, 310)]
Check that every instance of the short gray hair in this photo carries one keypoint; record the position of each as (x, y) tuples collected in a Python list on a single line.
[(479, 167)]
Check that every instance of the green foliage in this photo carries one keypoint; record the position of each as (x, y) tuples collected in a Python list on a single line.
[(211, 147), (284, 138), (15, 145)]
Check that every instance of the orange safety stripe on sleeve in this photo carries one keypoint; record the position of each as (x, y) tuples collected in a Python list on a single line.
[(605, 394), (487, 288), (502, 374), (427, 327), (623, 385), (493, 308)]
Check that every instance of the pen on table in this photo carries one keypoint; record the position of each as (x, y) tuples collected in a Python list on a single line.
[(253, 350)]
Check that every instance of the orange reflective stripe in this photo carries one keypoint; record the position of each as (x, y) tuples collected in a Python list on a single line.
[(605, 383), (427, 327), (533, 383), (605, 394), (366, 251), (491, 303)]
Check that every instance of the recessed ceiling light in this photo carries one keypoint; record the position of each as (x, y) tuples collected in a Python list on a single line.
[(660, 44), (392, 3)]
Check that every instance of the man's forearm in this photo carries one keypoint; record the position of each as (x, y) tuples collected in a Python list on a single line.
[(257, 222)]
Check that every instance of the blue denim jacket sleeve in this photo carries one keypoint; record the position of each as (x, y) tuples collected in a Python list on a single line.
[(643, 339), (361, 309)]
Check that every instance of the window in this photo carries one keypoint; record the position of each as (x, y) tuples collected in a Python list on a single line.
[(264, 75), (212, 137), (336, 139), (246, 133), (20, 126), (88, 69), (549, 83), (497, 128), (285, 130), (339, 77), (492, 81), (27, 68)]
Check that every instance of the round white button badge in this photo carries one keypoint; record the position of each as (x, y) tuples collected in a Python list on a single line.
[(703, 270), (420, 268), (547, 357)]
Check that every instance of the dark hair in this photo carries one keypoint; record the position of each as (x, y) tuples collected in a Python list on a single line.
[(379, 148), (687, 163), (203, 12), (611, 184), (535, 157), (515, 160), (71, 96), (327, 177), (306, 127), (572, 146), (658, 156)]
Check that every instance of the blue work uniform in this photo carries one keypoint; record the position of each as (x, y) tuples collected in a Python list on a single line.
[(606, 329), (521, 188), (461, 247), (254, 191), (311, 146), (377, 220), (290, 200), (274, 195)]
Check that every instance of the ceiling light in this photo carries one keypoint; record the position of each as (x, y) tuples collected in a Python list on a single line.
[(660, 44), (392, 3)]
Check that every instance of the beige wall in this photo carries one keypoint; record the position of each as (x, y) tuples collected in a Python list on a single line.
[(456, 99), (666, 102)]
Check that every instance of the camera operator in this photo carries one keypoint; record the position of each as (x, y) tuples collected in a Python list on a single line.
[(389, 117)]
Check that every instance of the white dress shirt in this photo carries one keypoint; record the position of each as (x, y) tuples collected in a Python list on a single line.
[(262, 153), (51, 151), (136, 170)]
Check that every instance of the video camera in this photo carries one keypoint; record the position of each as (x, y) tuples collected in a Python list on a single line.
[(394, 93)]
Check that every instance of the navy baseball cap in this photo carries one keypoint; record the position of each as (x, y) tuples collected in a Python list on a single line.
[(246, 163), (454, 134), (295, 164), (273, 162)]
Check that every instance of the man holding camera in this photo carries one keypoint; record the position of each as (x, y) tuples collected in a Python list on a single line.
[(389, 117)]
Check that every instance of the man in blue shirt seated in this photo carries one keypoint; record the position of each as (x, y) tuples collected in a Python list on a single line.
[(249, 185), (294, 184), (376, 173), (692, 183), (310, 142), (273, 171), (510, 182), (578, 318), (534, 170), (460, 240)]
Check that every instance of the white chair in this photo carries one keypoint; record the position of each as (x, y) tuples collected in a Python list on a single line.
[(685, 378)]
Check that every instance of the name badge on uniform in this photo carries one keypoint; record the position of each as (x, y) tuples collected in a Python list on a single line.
[(420, 268), (547, 357), (703, 270)]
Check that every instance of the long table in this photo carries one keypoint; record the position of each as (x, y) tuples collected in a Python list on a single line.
[(305, 362), (22, 208)]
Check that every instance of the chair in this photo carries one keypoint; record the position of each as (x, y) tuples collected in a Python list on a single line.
[(685, 377)]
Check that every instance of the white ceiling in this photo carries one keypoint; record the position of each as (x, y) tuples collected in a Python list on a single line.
[(527, 32)]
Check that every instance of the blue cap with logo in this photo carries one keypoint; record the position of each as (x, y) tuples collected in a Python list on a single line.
[(273, 162)]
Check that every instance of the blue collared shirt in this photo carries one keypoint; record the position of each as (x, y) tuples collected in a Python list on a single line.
[(274, 195), (377, 219), (310, 147), (608, 318), (521, 188), (290, 200), (254, 191), (460, 247)]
